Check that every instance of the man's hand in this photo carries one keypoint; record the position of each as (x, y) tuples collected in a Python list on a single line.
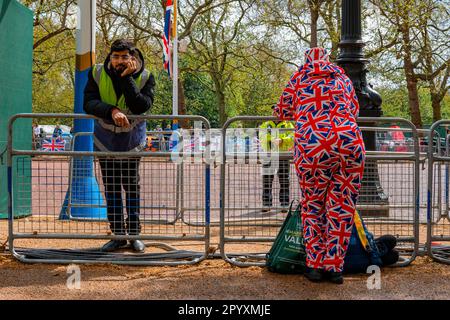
[(131, 67), (119, 118)]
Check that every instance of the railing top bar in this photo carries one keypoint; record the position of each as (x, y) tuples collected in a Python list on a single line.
[(87, 116), (203, 119), (360, 119), (385, 119), (361, 127), (103, 153), (247, 118), (86, 133), (411, 126), (389, 129), (162, 132), (430, 135), (280, 129), (439, 123)]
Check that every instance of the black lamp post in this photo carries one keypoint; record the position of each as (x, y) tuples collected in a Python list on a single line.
[(351, 58)]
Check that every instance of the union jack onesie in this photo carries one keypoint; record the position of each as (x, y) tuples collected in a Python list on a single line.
[(329, 155)]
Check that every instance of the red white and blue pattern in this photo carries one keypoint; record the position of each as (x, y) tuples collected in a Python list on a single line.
[(329, 155), (167, 59), (54, 144)]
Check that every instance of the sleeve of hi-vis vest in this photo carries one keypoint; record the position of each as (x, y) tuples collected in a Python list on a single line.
[(288, 137), (92, 103)]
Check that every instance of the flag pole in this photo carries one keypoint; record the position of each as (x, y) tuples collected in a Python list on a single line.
[(83, 200), (175, 65)]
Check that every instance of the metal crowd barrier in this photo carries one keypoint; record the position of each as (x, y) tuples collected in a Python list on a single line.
[(49, 183), (149, 164), (438, 205), (389, 198), (180, 201), (237, 176)]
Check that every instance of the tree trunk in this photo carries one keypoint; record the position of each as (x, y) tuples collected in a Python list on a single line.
[(435, 102), (413, 95), (182, 104), (221, 104), (411, 80), (314, 9)]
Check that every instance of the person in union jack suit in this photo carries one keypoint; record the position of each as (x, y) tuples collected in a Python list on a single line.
[(119, 87), (329, 156)]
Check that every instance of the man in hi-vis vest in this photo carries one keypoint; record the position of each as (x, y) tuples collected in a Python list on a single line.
[(276, 136), (120, 87)]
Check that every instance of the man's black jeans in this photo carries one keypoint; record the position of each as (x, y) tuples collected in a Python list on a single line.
[(283, 177), (115, 174)]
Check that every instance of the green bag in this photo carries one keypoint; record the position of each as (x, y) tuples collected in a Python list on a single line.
[(287, 254)]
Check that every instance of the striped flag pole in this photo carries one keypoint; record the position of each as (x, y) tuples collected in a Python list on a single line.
[(85, 58), (83, 199), (175, 64)]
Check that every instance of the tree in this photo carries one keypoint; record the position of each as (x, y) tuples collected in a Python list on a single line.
[(435, 53), (53, 54), (242, 52), (402, 14), (420, 25), (314, 8), (218, 38)]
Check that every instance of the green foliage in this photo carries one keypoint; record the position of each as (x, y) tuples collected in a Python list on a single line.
[(200, 99), (245, 59), (395, 104)]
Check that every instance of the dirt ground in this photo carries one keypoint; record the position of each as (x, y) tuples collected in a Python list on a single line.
[(209, 279), (213, 279)]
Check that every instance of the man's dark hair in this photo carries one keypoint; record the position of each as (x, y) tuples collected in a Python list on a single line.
[(123, 44)]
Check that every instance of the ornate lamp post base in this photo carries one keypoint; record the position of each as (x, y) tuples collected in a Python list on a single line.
[(372, 199)]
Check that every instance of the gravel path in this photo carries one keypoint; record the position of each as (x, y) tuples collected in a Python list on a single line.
[(213, 279)]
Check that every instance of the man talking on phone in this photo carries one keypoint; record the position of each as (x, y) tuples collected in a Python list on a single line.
[(118, 88)]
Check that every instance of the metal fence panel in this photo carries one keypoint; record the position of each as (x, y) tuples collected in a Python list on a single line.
[(438, 220), (62, 186), (181, 200), (248, 231)]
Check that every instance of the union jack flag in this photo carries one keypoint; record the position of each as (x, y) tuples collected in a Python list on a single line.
[(54, 144), (167, 59)]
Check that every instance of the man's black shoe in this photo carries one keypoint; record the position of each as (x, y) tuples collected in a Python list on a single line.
[(137, 245), (314, 275), (114, 245), (334, 277)]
